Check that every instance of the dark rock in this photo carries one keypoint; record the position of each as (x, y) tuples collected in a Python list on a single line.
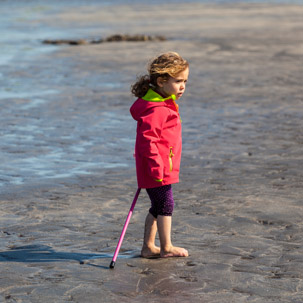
[(113, 38), (136, 38), (96, 41), (64, 41)]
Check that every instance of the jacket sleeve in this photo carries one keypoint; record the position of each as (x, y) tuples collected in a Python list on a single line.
[(148, 135)]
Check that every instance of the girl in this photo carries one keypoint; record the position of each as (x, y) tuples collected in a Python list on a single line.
[(158, 146)]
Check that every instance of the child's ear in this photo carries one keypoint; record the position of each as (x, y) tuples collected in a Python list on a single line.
[(160, 81)]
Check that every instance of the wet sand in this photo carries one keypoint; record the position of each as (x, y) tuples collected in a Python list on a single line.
[(69, 145)]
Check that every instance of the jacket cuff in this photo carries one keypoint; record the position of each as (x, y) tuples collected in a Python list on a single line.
[(158, 180)]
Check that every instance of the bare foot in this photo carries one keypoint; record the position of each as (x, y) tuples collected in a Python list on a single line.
[(174, 252), (150, 252)]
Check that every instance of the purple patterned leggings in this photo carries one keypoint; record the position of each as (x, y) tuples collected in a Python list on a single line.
[(162, 200)]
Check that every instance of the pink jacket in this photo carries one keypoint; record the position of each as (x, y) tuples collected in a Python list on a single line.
[(159, 140)]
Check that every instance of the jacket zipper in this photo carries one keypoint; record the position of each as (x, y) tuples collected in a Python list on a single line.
[(170, 158), (177, 108)]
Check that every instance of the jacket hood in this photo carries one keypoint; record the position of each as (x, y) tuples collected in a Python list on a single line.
[(151, 99)]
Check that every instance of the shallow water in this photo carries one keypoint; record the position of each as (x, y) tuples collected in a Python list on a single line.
[(38, 142)]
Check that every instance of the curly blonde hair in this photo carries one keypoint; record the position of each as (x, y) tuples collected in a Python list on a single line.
[(166, 65)]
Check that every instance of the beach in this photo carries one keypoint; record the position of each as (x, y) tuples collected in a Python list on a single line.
[(67, 142)]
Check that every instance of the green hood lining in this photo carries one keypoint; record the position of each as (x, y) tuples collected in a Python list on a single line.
[(152, 96)]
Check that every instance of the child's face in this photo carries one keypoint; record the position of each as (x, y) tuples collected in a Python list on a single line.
[(174, 85)]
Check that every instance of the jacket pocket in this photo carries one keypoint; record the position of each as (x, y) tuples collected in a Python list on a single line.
[(170, 158)]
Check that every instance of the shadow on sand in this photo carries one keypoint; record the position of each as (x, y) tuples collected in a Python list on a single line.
[(43, 253)]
